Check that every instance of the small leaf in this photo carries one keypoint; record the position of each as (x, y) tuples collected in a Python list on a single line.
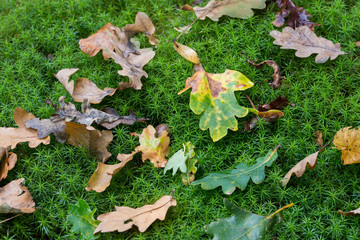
[(348, 141), (82, 219), (353, 212), (7, 163), (125, 217), (305, 42), (239, 177), (178, 160), (233, 8)]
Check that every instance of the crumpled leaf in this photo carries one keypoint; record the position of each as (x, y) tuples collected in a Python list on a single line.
[(297, 15), (67, 112), (7, 163), (154, 146), (239, 177), (306, 43), (319, 139), (353, 212), (242, 225), (10, 137), (233, 8), (15, 198), (183, 160), (97, 41), (103, 174), (94, 140), (124, 218), (213, 95), (348, 141), (84, 88), (82, 219), (277, 72)]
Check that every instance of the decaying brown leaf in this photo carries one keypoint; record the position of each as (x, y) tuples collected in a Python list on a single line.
[(125, 217), (297, 15), (233, 8), (7, 163), (10, 137), (277, 72), (84, 88), (353, 212), (348, 141), (103, 174), (15, 198), (300, 168), (319, 140), (127, 54), (306, 43)]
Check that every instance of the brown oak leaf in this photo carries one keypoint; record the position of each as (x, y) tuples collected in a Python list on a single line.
[(125, 217), (7, 163), (15, 198), (348, 141)]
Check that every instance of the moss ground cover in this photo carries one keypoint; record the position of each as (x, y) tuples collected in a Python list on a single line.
[(38, 38)]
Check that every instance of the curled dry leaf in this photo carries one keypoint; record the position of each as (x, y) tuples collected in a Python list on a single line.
[(153, 146), (300, 168), (353, 212), (277, 72), (213, 95), (306, 43), (84, 88), (233, 8), (348, 141), (7, 163), (103, 174), (125, 217), (10, 137), (319, 140), (297, 15), (15, 198)]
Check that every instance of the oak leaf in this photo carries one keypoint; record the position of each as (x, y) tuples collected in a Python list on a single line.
[(233, 8), (15, 198), (213, 95), (7, 163), (125, 217), (348, 141), (239, 177), (306, 43), (82, 219), (10, 137), (84, 88), (297, 15), (242, 225)]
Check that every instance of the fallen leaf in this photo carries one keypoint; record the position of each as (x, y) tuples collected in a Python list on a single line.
[(10, 137), (183, 160), (84, 88), (127, 120), (98, 41), (103, 174), (300, 168), (82, 219), (297, 15), (306, 43), (125, 217), (8, 162), (277, 72), (319, 139), (96, 141), (242, 225), (279, 103), (213, 95), (15, 198), (153, 146), (233, 8), (353, 212), (184, 29), (239, 177), (348, 141)]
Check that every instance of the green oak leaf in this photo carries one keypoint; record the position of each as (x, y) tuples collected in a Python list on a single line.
[(83, 220), (213, 95), (183, 160), (239, 177), (242, 225)]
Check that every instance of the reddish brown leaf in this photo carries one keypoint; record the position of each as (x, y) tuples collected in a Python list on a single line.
[(8, 162), (319, 139)]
